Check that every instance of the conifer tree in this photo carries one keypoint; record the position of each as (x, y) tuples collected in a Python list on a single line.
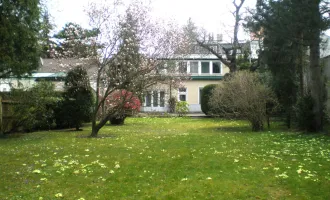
[(19, 50)]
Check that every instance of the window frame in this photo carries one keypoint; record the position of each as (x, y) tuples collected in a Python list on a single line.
[(190, 64), (220, 71), (208, 67), (183, 93)]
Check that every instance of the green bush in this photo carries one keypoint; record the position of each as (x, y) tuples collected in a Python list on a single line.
[(34, 108), (243, 95), (205, 97), (78, 99), (182, 108), (304, 112)]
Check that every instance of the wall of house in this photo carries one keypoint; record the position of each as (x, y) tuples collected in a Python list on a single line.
[(192, 95), (325, 46), (7, 84), (326, 71), (193, 92), (225, 70)]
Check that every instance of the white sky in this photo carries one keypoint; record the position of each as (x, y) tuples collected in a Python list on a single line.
[(213, 15)]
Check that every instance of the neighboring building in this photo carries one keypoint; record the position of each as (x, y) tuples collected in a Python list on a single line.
[(325, 46), (326, 71), (28, 81), (51, 70)]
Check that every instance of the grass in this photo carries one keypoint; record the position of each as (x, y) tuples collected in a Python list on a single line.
[(166, 158)]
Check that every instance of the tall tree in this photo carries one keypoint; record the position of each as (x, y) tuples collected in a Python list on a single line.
[(19, 37), (315, 25), (75, 41), (46, 44), (290, 27), (279, 52), (76, 107)]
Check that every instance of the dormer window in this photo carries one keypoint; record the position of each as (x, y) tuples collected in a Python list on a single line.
[(214, 48), (194, 67), (183, 67), (216, 68), (205, 67)]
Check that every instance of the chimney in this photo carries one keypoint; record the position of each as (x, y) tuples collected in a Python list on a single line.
[(219, 37)]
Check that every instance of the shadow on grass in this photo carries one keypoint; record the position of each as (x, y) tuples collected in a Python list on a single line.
[(99, 136), (243, 128), (11, 136), (234, 129)]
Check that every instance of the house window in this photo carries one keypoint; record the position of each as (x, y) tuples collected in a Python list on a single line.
[(216, 67), (205, 67), (155, 98), (182, 97), (194, 67), (183, 90), (197, 49), (148, 100), (183, 67), (214, 48), (162, 99), (160, 69), (4, 89), (171, 66), (182, 94)]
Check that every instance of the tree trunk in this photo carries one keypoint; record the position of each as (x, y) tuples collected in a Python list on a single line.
[(257, 125), (78, 127), (288, 120), (96, 127), (316, 85), (317, 80), (301, 63)]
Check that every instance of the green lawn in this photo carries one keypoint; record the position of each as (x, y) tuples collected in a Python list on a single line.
[(166, 158)]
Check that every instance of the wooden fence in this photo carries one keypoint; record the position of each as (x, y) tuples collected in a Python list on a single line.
[(6, 115)]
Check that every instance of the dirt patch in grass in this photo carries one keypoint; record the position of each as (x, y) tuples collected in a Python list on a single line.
[(278, 193)]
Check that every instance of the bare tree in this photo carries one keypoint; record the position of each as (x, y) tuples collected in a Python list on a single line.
[(230, 52)]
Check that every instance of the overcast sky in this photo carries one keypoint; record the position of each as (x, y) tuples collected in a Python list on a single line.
[(213, 15)]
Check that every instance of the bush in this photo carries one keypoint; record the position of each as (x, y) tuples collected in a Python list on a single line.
[(182, 108), (121, 104), (34, 109), (304, 113), (243, 95), (76, 107), (205, 96)]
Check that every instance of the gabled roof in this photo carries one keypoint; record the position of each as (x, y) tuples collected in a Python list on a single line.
[(59, 67)]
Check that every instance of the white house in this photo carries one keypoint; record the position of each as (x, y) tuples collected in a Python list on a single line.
[(202, 67)]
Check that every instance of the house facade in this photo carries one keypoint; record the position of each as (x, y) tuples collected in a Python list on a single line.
[(50, 70), (28, 81), (200, 70)]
